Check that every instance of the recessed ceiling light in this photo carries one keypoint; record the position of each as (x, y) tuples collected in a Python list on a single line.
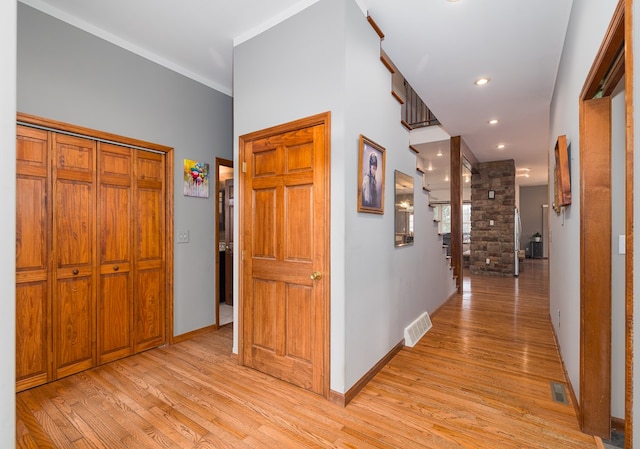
[(501, 146), (481, 81), (493, 121)]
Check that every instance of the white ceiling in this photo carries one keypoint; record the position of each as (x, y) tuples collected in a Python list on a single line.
[(439, 46)]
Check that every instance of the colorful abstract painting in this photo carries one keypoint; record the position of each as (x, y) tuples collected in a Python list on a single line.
[(196, 179)]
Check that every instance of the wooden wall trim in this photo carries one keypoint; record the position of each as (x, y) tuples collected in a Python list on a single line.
[(613, 40), (344, 399), (629, 213), (595, 266), (169, 244), (89, 132), (194, 333), (375, 27), (220, 162)]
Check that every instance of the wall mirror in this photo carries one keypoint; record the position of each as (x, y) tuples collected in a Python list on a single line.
[(403, 209)]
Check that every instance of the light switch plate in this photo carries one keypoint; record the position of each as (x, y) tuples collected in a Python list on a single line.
[(622, 244)]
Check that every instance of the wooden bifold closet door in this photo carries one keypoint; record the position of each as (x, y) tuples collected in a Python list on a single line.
[(33, 284), (74, 236), (90, 253)]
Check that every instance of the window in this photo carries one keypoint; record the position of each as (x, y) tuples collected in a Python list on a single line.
[(442, 214)]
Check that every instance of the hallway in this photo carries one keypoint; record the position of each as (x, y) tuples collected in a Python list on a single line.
[(480, 378)]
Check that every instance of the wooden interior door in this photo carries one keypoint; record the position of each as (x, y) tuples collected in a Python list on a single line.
[(149, 237), (228, 241), (74, 239), (33, 231), (285, 242), (115, 260)]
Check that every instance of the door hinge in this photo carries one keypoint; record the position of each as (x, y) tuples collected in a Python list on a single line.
[(244, 167)]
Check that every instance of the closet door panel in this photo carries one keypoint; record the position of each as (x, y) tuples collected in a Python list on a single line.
[(74, 244), (32, 334), (74, 237), (114, 316), (150, 282), (115, 237), (73, 339), (149, 309), (33, 226)]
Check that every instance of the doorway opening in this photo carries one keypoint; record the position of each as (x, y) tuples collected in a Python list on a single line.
[(224, 242)]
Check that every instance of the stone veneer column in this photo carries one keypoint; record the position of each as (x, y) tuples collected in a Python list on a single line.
[(495, 242)]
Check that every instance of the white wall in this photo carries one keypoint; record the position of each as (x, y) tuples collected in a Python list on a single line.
[(397, 284), (69, 75), (8, 206), (299, 68), (587, 27)]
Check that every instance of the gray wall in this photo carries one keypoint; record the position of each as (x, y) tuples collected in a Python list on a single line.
[(8, 206), (300, 68), (531, 200), (69, 75)]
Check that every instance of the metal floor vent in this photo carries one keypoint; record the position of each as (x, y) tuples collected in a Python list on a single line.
[(416, 330), (558, 393)]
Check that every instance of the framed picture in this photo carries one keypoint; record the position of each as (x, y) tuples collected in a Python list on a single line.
[(196, 179), (371, 168), (561, 175)]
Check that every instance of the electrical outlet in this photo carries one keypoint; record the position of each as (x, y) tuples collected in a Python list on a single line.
[(183, 236), (558, 317), (491, 222), (487, 261)]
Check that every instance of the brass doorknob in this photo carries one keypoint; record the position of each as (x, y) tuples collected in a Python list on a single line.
[(316, 275)]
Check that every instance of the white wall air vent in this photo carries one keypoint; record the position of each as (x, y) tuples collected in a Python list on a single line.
[(416, 330)]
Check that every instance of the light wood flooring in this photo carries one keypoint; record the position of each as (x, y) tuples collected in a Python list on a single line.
[(479, 379)]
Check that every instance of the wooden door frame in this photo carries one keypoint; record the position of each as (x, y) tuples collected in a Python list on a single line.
[(244, 140), (55, 125), (595, 266), (618, 36), (224, 163)]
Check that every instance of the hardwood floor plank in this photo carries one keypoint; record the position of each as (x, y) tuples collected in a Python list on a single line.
[(31, 431), (480, 378)]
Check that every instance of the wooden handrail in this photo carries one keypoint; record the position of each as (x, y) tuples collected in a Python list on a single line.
[(415, 113)]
